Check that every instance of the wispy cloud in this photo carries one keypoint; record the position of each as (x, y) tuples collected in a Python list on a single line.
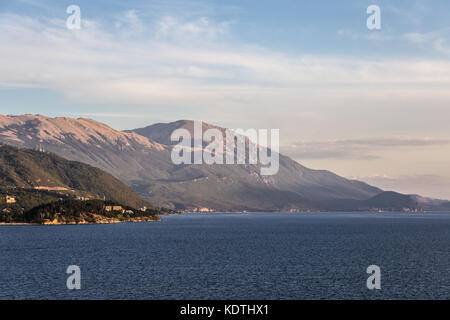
[(130, 23), (107, 115), (375, 36), (437, 39), (96, 64), (424, 184), (38, 4), (359, 149), (203, 27)]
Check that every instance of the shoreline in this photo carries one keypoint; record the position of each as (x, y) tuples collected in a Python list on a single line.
[(54, 223), (159, 219)]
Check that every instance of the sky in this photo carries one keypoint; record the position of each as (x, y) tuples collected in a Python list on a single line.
[(367, 104)]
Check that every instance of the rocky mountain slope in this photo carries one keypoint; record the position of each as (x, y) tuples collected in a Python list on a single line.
[(82, 140), (294, 186)]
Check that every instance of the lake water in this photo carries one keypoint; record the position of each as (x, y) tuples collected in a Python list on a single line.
[(232, 256)]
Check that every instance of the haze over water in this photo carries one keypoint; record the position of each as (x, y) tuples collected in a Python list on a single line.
[(232, 256)]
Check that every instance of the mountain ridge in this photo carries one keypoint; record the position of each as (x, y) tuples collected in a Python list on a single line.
[(141, 159)]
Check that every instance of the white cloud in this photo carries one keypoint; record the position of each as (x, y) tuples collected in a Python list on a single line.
[(105, 115), (130, 23), (375, 36), (203, 27), (434, 186), (96, 65), (358, 149), (437, 39)]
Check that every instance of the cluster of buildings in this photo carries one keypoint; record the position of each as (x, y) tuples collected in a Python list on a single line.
[(199, 210), (83, 198), (10, 199), (117, 209)]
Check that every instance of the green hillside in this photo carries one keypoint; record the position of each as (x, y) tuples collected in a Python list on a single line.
[(91, 211), (30, 169)]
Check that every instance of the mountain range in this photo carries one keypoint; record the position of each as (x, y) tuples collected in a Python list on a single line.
[(141, 159)]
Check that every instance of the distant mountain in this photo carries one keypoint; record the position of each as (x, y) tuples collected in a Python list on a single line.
[(141, 159), (430, 204), (386, 201), (30, 169)]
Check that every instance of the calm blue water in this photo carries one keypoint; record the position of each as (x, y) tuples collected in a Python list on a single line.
[(232, 256)]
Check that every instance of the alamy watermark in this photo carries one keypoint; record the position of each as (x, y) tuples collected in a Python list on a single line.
[(374, 280), (74, 280), (73, 22), (227, 147), (374, 20)]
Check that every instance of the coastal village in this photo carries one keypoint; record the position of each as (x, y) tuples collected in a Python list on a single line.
[(198, 210), (299, 210)]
